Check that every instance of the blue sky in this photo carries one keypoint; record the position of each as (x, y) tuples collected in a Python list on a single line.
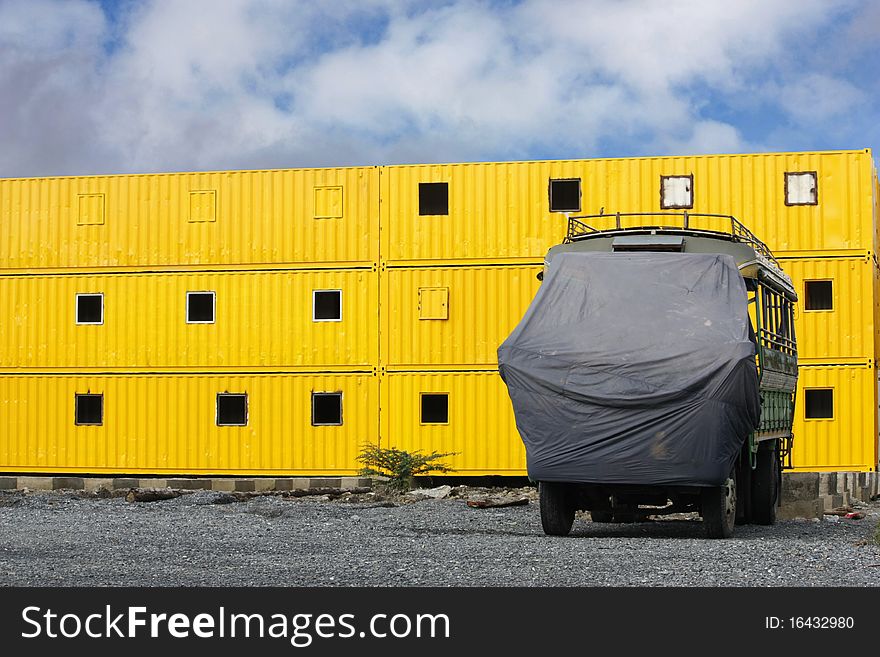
[(156, 85)]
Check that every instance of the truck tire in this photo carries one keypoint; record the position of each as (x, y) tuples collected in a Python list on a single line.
[(718, 508), (765, 491), (557, 508), (601, 516)]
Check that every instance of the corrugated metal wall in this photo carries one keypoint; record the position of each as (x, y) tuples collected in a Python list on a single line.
[(259, 218), (482, 306), (500, 211), (262, 320), (166, 424), (426, 301), (845, 332), (481, 430), (848, 440)]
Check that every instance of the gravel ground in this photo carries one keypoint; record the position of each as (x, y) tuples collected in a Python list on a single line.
[(63, 539)]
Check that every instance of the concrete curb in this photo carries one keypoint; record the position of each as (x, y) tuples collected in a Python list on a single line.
[(811, 494), (226, 484)]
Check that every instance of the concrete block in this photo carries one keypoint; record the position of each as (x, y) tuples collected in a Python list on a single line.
[(283, 484), (190, 484), (325, 482), (225, 485), (35, 483), (97, 483), (828, 483), (151, 483), (832, 502), (264, 484), (300, 483), (800, 486), (8, 483), (67, 483), (801, 509), (124, 483), (244, 485)]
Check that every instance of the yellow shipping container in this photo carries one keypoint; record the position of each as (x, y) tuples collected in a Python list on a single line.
[(468, 413), (168, 425), (452, 316), (501, 211), (256, 218), (834, 317), (144, 322), (836, 426)]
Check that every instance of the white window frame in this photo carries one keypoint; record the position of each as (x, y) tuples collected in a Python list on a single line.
[(76, 308), (331, 393), (814, 176), (247, 409), (315, 305), (676, 206), (213, 307)]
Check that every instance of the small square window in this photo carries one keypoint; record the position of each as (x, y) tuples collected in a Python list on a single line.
[(89, 409), (801, 188), (200, 307), (327, 306), (89, 308), (326, 409), (565, 195), (819, 404), (676, 192), (433, 198), (818, 295), (435, 408), (232, 409)]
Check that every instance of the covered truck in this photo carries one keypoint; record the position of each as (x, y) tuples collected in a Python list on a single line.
[(654, 372)]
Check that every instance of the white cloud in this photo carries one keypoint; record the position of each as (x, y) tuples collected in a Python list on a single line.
[(817, 98), (259, 83)]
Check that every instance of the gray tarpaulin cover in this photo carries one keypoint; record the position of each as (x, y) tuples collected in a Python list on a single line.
[(634, 368)]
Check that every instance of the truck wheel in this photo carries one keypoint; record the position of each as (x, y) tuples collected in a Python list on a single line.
[(765, 491), (719, 508), (602, 516), (557, 508)]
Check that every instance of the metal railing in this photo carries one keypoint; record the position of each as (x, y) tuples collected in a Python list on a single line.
[(731, 226)]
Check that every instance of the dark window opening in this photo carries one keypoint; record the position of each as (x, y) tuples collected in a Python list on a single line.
[(89, 308), (565, 195), (231, 409), (818, 295), (819, 404), (200, 307), (433, 198), (326, 408), (435, 408), (89, 409), (327, 306)]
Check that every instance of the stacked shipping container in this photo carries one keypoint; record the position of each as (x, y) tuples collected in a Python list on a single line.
[(367, 304)]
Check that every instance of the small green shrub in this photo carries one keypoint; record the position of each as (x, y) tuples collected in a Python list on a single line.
[(398, 465)]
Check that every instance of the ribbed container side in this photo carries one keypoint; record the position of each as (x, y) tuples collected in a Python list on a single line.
[(501, 210), (481, 430), (219, 218), (452, 316), (262, 319), (167, 424), (846, 330), (848, 439)]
